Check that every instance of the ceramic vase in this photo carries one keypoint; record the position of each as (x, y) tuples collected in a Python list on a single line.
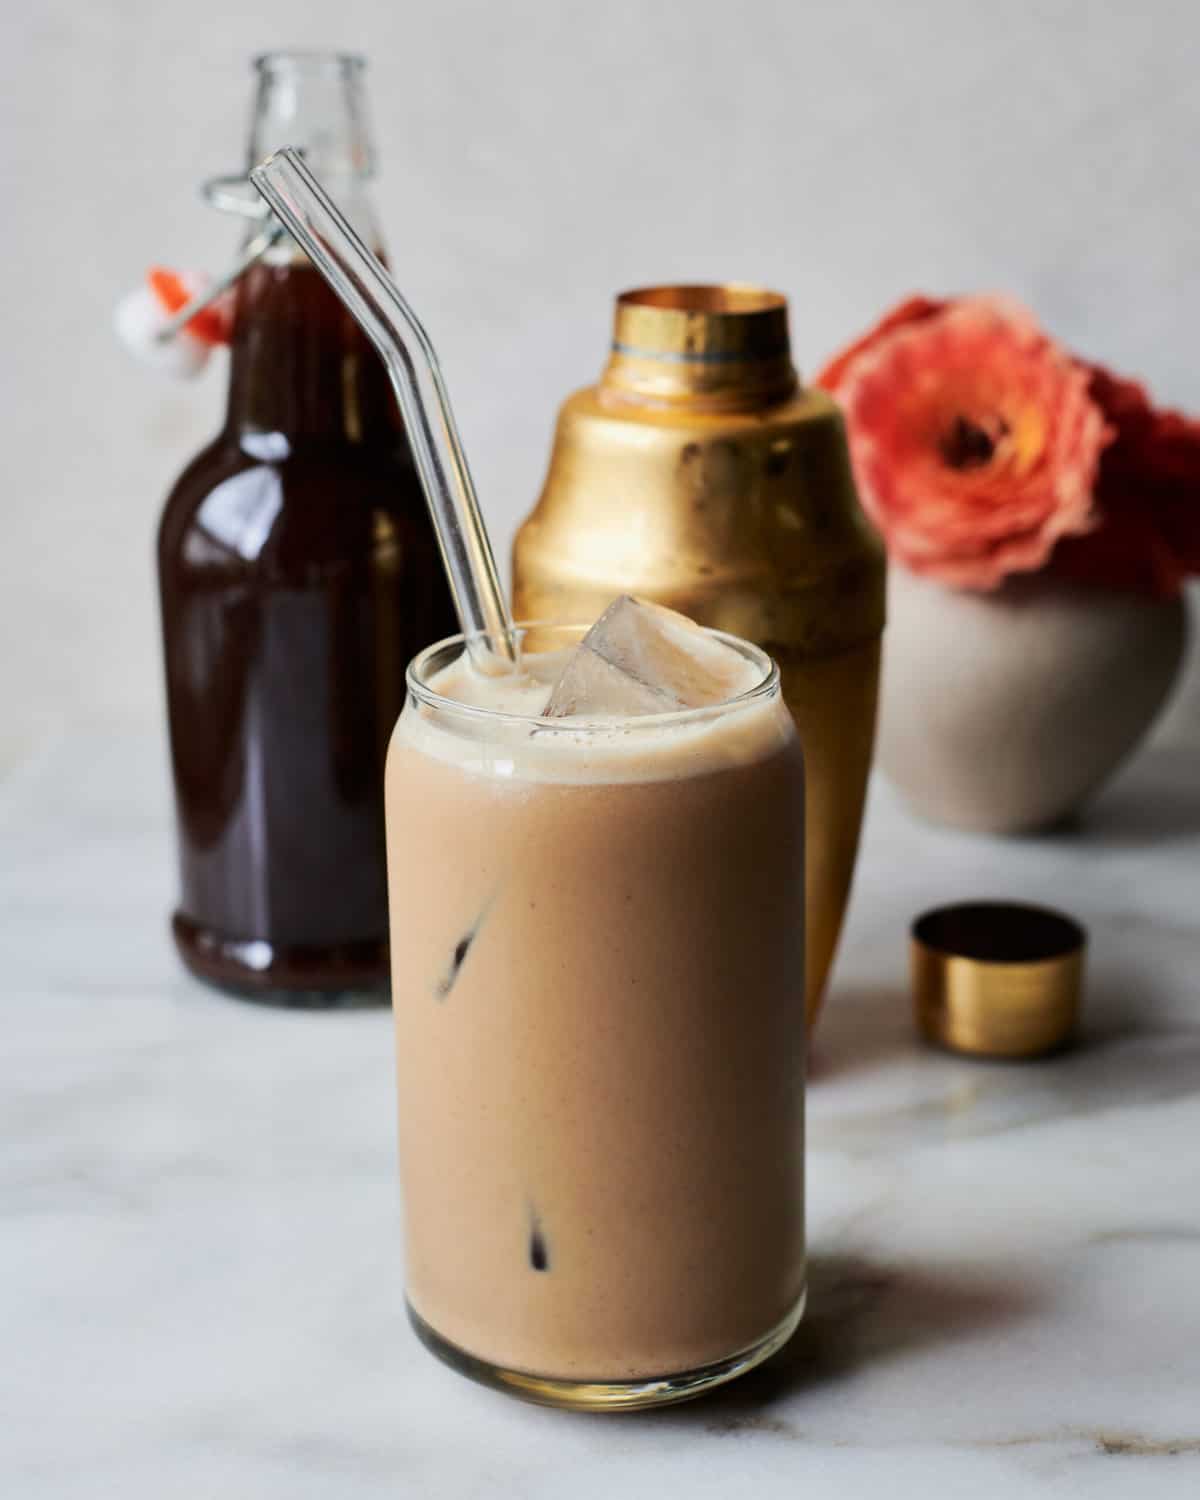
[(1006, 711)]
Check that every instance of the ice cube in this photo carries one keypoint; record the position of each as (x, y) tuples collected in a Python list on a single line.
[(640, 658)]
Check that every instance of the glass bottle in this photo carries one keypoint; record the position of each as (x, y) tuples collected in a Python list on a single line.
[(299, 574)]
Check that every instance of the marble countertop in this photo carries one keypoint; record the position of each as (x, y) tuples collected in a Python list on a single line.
[(200, 1276)]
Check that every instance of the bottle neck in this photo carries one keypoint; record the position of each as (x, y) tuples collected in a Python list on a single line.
[(300, 366)]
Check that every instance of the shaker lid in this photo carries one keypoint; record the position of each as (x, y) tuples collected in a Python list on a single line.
[(997, 978), (718, 345)]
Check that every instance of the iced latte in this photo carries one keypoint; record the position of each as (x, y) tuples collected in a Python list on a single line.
[(596, 888)]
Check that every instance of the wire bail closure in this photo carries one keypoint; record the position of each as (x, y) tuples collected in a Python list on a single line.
[(234, 194)]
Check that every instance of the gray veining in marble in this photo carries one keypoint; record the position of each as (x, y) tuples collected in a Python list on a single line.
[(200, 1262)]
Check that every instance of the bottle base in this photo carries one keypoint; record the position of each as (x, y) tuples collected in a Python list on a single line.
[(608, 1395), (303, 978)]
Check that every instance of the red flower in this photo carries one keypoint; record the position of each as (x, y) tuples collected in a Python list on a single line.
[(983, 449), (1148, 495)]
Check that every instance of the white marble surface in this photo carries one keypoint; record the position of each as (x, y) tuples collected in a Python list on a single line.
[(200, 1272)]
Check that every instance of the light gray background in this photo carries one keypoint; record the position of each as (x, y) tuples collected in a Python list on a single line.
[(538, 157)]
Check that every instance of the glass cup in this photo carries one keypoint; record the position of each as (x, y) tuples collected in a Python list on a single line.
[(598, 987)]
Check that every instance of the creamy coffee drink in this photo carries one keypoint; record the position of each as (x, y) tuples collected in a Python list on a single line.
[(598, 985)]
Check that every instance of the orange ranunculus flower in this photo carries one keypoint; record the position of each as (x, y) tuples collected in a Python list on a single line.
[(975, 442)]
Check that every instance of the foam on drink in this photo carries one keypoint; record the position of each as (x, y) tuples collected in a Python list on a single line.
[(575, 714)]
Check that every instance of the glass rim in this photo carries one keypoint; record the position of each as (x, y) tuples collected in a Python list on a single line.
[(429, 698)]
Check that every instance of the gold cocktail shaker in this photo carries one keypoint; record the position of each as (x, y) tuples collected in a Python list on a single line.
[(699, 473)]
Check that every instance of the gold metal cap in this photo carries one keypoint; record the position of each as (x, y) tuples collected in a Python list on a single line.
[(997, 979), (717, 346)]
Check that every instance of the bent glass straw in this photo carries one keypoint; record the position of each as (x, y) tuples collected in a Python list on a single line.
[(375, 302)]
